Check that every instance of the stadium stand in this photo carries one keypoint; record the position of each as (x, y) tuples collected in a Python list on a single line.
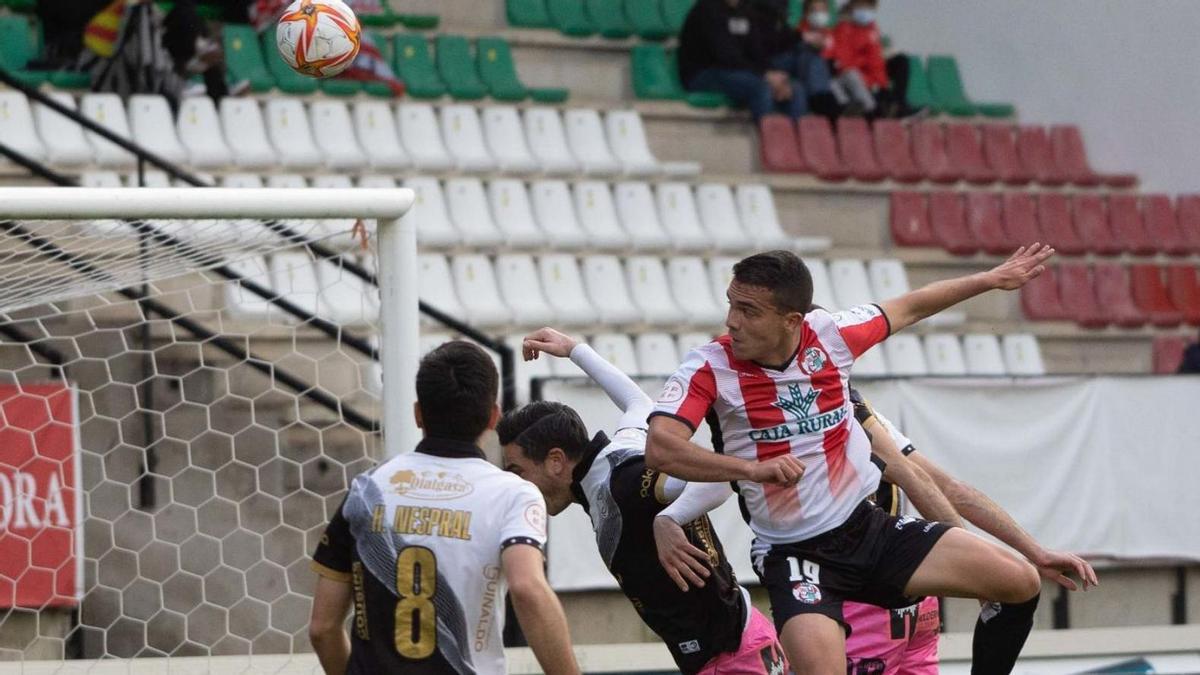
[(894, 150), (929, 151), (819, 149)]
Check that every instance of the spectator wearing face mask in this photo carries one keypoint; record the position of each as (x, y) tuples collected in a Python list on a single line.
[(806, 58), (861, 74)]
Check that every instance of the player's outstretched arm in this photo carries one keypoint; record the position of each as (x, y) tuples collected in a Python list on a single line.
[(538, 610), (621, 390), (1024, 265), (327, 625), (669, 449), (918, 485)]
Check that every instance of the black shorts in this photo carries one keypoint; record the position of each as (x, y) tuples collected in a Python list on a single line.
[(868, 559)]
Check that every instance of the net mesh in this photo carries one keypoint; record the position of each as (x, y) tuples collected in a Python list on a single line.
[(186, 437)]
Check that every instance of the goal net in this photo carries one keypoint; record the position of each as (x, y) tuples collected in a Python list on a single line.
[(187, 383)]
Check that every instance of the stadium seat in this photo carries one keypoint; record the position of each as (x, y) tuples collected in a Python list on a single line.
[(1033, 147), (890, 280), (290, 133), (585, 134), (1090, 215), (412, 63), (646, 19), (719, 215), (651, 292), (628, 140), (947, 219), (679, 219), (823, 295), (983, 354), (656, 354), (894, 150), (1114, 295), (608, 16), (871, 363), (1183, 286), (470, 213), (434, 229), (518, 279), (691, 287), (983, 218), (548, 141), (294, 276), (246, 133), (1168, 353), (563, 286), (604, 279), (464, 139), (639, 217), (244, 58), (929, 151), (526, 371), (570, 17), (851, 285), (1188, 209), (63, 138), (617, 349), (965, 150), (420, 135), (506, 140), (497, 71), (457, 69), (689, 341), (1020, 220), (756, 210), (153, 127), (1023, 355), (475, 281), (17, 130), (918, 94), (375, 126), (336, 139), (344, 298), (946, 85), (1150, 295), (653, 75), (107, 111), (241, 302), (199, 131), (1125, 217), (779, 147), (514, 215), (905, 356), (556, 215), (944, 355), (288, 80), (1000, 151), (1079, 299), (1067, 145), (819, 148), (856, 146), (527, 13), (675, 13), (909, 220), (720, 274), (1042, 299), (1054, 221), (597, 215), (1162, 226)]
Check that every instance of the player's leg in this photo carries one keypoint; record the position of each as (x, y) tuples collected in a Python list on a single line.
[(964, 565), (806, 602), (815, 645), (1000, 633), (759, 653)]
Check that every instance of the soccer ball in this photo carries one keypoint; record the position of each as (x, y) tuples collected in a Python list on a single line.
[(318, 38)]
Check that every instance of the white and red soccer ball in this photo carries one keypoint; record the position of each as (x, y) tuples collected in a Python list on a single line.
[(318, 38)]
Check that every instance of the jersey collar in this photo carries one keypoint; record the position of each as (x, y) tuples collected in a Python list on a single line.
[(449, 447), (594, 446), (780, 368)]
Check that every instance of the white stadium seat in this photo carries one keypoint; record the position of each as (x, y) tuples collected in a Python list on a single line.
[(200, 133), (153, 127), (420, 135), (522, 292), (585, 134), (761, 222), (291, 134), (628, 140), (434, 229), (692, 288), (435, 285), (822, 286), (477, 291), (470, 213), (652, 292), (528, 370), (888, 279), (563, 286), (604, 279), (598, 216), (984, 356), (346, 299), (617, 349), (335, 138), (506, 140), (107, 111), (63, 138), (548, 141), (905, 355), (246, 133), (376, 181), (556, 215), (656, 353), (242, 302), (720, 273), (871, 363), (294, 276), (719, 215), (677, 213), (464, 139), (513, 214), (851, 287), (375, 126), (639, 217), (689, 341), (944, 355), (1022, 355), (16, 126)]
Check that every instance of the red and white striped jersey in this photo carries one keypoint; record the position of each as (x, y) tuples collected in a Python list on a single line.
[(803, 409)]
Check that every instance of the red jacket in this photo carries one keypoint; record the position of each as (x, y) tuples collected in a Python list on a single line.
[(858, 48), (827, 49)]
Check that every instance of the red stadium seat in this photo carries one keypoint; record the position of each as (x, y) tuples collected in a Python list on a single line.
[(1000, 150), (966, 154), (1041, 299), (1067, 144), (1125, 217), (929, 150), (779, 148), (1161, 225), (910, 220), (1020, 220), (857, 149), (1091, 222), (894, 151), (819, 149), (1079, 300), (1189, 220), (1054, 220), (1183, 286), (1116, 300), (1168, 353), (949, 223), (1150, 294), (1033, 147), (983, 217)]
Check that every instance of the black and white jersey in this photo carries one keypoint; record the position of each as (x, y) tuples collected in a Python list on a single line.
[(420, 539), (887, 497)]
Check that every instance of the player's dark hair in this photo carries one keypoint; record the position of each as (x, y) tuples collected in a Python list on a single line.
[(456, 390), (541, 426), (781, 272)]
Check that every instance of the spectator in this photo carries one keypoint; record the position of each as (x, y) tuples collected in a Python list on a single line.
[(805, 59), (860, 71), (1191, 360)]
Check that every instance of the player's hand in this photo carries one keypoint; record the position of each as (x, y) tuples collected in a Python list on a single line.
[(547, 340), (1054, 565), (683, 562), (783, 470), (1024, 265)]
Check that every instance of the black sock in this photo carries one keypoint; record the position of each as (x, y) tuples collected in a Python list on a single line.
[(1000, 634)]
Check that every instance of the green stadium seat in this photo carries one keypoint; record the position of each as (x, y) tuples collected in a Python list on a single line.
[(457, 68), (413, 65), (656, 78), (419, 21), (675, 13), (918, 94), (528, 14), (609, 18), (384, 19), (244, 57), (336, 87), (570, 18), (19, 48), (497, 71), (378, 90), (288, 80), (70, 79), (549, 94), (646, 17), (946, 84)]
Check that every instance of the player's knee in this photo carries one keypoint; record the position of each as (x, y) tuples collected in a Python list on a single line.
[(1025, 583)]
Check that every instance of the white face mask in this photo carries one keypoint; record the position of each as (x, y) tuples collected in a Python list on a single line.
[(818, 18), (864, 16)]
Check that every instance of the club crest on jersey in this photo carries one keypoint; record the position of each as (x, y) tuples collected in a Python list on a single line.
[(799, 404), (807, 593), (812, 361), (431, 485), (672, 391)]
